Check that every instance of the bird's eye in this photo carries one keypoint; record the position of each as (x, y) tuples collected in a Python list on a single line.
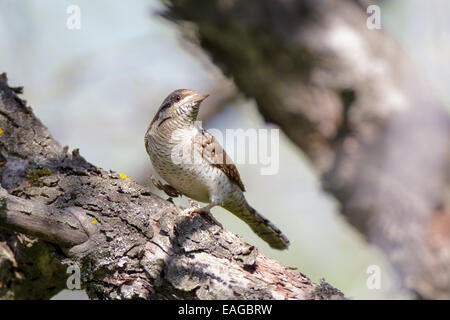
[(177, 98)]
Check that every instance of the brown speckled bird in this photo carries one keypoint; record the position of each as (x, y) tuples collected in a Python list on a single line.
[(194, 164)]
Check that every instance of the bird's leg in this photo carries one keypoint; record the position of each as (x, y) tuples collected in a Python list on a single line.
[(205, 211), (168, 189)]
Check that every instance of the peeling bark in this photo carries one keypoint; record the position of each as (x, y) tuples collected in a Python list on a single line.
[(127, 242)]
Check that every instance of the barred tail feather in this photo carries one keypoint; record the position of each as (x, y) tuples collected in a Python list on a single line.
[(265, 229)]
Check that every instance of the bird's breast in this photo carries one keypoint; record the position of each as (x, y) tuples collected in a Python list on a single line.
[(178, 161)]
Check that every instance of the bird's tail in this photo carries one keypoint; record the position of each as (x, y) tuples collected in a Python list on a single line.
[(265, 229)]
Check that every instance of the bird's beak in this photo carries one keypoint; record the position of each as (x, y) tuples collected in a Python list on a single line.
[(199, 97)]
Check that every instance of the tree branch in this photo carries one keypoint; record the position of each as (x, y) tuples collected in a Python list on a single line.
[(127, 242), (36, 219)]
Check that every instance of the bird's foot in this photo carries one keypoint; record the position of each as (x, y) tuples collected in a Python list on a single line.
[(204, 211), (168, 189), (194, 204)]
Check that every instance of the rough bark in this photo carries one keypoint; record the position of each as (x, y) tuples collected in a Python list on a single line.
[(127, 242), (351, 99)]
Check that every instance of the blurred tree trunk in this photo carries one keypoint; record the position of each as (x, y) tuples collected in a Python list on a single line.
[(59, 211), (352, 101)]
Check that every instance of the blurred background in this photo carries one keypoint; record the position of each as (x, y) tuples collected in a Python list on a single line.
[(98, 87)]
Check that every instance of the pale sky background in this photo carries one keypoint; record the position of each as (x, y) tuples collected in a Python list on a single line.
[(97, 89)]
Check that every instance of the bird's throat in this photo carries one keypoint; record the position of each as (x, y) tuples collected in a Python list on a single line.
[(163, 120)]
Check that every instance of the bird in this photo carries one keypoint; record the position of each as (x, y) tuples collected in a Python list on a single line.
[(194, 164)]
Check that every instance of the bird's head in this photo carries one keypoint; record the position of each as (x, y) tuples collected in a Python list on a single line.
[(181, 106)]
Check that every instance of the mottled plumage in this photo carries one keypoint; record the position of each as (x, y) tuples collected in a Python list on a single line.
[(217, 156), (193, 163)]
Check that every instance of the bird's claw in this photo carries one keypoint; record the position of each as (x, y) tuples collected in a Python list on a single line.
[(194, 204), (204, 211), (168, 189)]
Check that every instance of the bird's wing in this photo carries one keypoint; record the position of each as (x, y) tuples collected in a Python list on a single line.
[(213, 152)]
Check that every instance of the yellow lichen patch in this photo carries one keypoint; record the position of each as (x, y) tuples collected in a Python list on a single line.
[(34, 176), (1, 131), (124, 176), (94, 221)]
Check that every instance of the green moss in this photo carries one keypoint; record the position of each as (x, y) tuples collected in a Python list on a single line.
[(34, 176)]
